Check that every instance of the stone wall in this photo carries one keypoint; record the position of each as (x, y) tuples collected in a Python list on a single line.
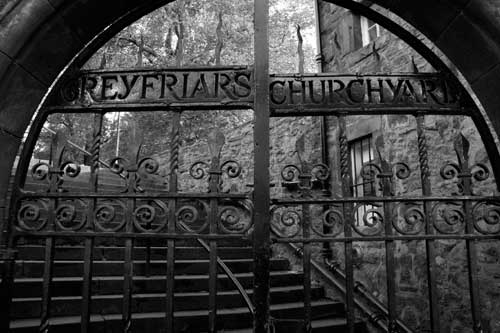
[(396, 138), (239, 147)]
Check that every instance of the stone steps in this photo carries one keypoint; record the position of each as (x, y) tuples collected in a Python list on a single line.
[(148, 288), (24, 308), (68, 268), (185, 321), (37, 252)]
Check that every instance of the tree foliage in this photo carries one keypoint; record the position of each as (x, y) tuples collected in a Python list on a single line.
[(199, 33)]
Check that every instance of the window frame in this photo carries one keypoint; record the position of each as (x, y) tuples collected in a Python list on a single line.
[(365, 30)]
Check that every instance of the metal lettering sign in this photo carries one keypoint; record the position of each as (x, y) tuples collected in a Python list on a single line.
[(233, 87), (317, 93), (172, 87)]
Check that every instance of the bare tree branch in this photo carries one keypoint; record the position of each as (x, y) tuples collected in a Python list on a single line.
[(136, 43)]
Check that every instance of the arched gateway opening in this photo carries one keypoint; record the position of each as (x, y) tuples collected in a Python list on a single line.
[(158, 240)]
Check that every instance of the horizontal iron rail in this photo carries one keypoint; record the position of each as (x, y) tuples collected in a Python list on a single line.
[(188, 195), (275, 112), (362, 110), (371, 200), (144, 107), (384, 238), (154, 195), (180, 69), (123, 235)]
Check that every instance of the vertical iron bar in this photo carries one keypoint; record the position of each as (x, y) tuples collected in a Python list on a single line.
[(387, 191), (462, 150), (89, 241), (215, 145), (429, 228), (57, 150), (212, 284), (173, 188), (47, 277), (261, 217), (306, 185), (129, 242), (128, 271), (347, 191), (306, 263)]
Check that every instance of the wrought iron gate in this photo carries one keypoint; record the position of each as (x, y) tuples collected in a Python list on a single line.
[(138, 214)]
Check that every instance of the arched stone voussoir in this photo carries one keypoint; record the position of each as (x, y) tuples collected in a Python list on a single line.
[(21, 94), (432, 17), (19, 20), (8, 153), (50, 49)]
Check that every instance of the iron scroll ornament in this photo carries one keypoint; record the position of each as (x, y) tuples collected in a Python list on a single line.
[(461, 170), (43, 171), (487, 217), (386, 173), (200, 169), (134, 169)]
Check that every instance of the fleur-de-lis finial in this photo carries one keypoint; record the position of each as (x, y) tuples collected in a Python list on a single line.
[(462, 170), (215, 140), (461, 146)]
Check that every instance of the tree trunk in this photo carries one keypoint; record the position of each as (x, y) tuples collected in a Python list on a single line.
[(300, 51), (220, 42), (102, 65), (140, 51)]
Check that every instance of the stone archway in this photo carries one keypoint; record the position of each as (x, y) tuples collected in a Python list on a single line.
[(33, 68), (41, 38)]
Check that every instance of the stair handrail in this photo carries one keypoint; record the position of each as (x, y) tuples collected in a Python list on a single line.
[(84, 151), (378, 317), (220, 262), (228, 273)]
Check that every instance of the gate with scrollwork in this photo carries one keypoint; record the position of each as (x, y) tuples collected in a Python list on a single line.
[(139, 216)]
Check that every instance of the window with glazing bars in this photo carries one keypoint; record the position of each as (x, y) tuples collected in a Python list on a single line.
[(361, 153)]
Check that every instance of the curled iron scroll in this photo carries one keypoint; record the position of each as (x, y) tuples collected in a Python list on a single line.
[(109, 215), (235, 217), (198, 170), (401, 170), (286, 221), (32, 215), (71, 215), (70, 169), (117, 165), (487, 217), (409, 219), (193, 218), (449, 171), (480, 172), (290, 173), (150, 217), (232, 168), (149, 165), (368, 219), (448, 218), (333, 220), (40, 171), (369, 171), (321, 171)]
